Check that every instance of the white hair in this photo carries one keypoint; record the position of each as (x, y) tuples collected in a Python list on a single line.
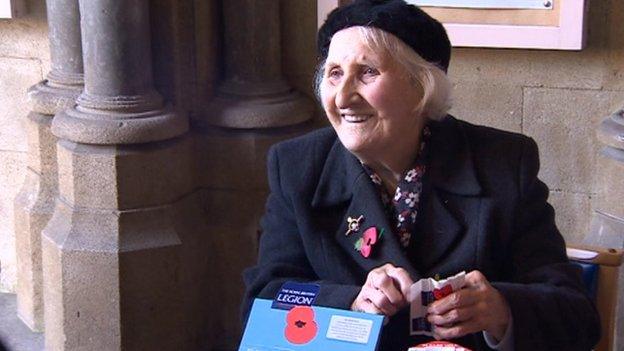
[(428, 77)]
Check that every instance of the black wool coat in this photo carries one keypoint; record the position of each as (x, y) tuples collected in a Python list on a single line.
[(482, 208)]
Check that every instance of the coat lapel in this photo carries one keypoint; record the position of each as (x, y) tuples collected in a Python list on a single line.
[(451, 163), (344, 186), (454, 185), (366, 202), (438, 232)]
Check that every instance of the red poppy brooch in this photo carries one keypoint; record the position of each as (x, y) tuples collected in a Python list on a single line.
[(369, 238)]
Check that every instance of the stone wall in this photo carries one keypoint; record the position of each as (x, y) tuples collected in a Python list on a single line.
[(557, 97), (24, 60)]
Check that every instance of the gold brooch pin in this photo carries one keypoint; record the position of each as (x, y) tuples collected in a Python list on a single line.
[(353, 224)]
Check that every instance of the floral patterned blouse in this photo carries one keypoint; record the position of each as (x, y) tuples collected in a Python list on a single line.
[(402, 208)]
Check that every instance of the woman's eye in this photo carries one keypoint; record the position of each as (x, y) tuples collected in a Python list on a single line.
[(369, 74), (334, 73), (370, 71)]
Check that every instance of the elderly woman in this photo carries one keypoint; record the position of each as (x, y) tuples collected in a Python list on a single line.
[(449, 195)]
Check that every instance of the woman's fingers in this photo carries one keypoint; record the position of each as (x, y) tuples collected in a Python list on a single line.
[(385, 291), (371, 300), (476, 307), (451, 317), (385, 284), (363, 305), (461, 298), (456, 315), (381, 301), (476, 279), (401, 279)]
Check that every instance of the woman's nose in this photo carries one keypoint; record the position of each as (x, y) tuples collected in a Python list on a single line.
[(346, 94)]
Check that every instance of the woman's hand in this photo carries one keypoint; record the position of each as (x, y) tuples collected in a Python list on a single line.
[(384, 292), (477, 307)]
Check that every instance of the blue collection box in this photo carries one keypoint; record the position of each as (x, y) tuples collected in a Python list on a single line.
[(269, 329)]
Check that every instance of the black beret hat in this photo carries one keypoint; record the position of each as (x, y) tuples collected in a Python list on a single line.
[(417, 29)]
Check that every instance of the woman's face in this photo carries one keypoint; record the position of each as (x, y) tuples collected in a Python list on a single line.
[(368, 97)]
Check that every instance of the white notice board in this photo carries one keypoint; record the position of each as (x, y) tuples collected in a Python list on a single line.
[(12, 8), (518, 24), (487, 4)]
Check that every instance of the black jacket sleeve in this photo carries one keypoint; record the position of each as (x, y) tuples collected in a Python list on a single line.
[(550, 309)]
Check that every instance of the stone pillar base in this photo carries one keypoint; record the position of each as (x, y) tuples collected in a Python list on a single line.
[(107, 128), (111, 291), (114, 261), (49, 99), (269, 111)]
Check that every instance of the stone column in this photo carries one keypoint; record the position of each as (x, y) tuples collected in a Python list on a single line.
[(119, 88), (253, 108), (115, 272), (254, 93), (607, 223), (35, 202)]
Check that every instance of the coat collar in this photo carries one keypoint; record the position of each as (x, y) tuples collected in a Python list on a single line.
[(451, 167), (340, 172)]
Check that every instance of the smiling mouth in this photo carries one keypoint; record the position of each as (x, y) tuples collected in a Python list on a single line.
[(355, 118)]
